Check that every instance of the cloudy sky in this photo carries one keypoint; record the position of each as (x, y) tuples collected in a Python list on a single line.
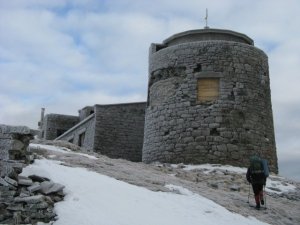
[(67, 54)]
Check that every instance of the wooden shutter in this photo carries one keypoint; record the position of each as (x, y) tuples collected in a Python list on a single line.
[(208, 89)]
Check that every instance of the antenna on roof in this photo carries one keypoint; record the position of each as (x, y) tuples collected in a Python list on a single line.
[(206, 18)]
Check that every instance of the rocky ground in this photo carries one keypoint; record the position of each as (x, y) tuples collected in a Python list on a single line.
[(229, 189)]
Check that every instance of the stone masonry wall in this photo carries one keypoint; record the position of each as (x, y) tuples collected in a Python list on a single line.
[(119, 130), (23, 200), (14, 141), (228, 130), (55, 124), (85, 129)]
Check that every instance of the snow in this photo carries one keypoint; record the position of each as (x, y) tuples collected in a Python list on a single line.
[(275, 184), (59, 149), (211, 167), (95, 199)]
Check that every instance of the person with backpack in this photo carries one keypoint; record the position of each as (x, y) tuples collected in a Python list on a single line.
[(257, 174)]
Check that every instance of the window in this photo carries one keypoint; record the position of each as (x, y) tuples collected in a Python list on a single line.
[(81, 139), (208, 89)]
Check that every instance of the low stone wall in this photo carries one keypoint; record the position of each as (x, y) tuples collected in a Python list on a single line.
[(14, 141), (28, 200), (23, 200)]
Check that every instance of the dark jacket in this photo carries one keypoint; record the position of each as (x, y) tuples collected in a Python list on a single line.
[(255, 178)]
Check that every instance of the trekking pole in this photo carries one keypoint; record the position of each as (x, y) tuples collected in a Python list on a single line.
[(265, 194), (248, 194)]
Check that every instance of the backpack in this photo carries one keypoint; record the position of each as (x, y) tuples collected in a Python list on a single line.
[(259, 166), (265, 167)]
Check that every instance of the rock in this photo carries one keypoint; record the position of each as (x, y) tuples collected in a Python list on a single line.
[(60, 193), (48, 187), (17, 145), (49, 200), (11, 181), (36, 178), (56, 198), (6, 192), (235, 187), (35, 187), (6, 129), (3, 182), (214, 185), (41, 205), (16, 207), (180, 166), (218, 172), (5, 217), (24, 181), (24, 192), (30, 199)]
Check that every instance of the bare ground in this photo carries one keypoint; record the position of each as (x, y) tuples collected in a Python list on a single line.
[(281, 209)]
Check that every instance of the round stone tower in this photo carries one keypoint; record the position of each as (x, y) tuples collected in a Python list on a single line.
[(208, 100)]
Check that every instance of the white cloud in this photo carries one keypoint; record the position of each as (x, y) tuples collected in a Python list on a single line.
[(66, 54)]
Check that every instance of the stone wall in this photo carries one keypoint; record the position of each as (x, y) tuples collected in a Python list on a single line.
[(14, 141), (23, 200), (119, 130), (228, 130), (81, 134), (55, 125), (86, 112)]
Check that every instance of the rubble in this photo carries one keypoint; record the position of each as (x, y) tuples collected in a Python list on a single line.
[(23, 200)]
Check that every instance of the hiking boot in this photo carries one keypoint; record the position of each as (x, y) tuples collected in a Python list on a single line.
[(262, 202), (257, 206)]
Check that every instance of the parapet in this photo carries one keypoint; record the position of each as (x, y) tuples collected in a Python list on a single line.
[(204, 35)]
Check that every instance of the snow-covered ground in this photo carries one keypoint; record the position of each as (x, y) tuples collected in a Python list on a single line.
[(59, 149), (95, 199), (274, 183)]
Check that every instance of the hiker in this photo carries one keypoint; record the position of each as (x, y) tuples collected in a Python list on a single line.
[(257, 176)]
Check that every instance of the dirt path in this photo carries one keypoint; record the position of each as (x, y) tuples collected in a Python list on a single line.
[(225, 188)]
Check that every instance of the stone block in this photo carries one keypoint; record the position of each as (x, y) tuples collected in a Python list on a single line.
[(188, 139), (3, 182), (11, 181), (14, 129), (232, 147), (35, 187), (222, 148), (31, 199), (48, 187), (37, 206), (25, 181), (36, 178), (16, 207), (16, 145), (235, 187)]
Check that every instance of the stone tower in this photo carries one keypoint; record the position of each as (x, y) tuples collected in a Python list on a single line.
[(209, 100)]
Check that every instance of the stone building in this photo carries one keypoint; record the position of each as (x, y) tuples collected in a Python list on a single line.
[(113, 130), (208, 102)]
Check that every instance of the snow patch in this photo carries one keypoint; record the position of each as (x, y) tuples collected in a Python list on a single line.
[(179, 190), (213, 167), (277, 186), (95, 199), (59, 149)]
